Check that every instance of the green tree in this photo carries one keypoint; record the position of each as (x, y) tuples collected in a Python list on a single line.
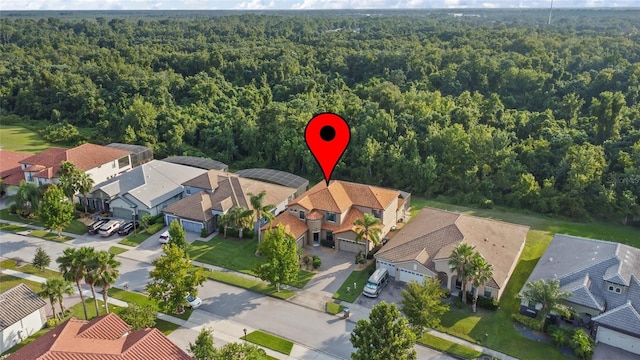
[(172, 278), (177, 236), (422, 304), (261, 210), (139, 316), (224, 220), (368, 228), (582, 344), (69, 178), (480, 274), (56, 211), (27, 198), (105, 271), (240, 218), (461, 261), (50, 290), (73, 266), (202, 348), (242, 351), (386, 335), (85, 184), (89, 254), (41, 259), (146, 221), (281, 253), (548, 294)]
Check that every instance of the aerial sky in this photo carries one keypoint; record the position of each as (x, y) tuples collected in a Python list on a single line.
[(300, 4)]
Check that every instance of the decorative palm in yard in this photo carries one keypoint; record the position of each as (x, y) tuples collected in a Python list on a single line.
[(73, 266), (27, 198), (480, 274), (105, 272), (368, 228), (224, 220), (54, 290), (261, 210), (85, 184), (240, 218), (547, 293), (461, 260)]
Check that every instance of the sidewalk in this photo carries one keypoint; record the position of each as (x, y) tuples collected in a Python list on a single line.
[(225, 331)]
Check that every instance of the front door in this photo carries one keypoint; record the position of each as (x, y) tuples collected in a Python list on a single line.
[(316, 239)]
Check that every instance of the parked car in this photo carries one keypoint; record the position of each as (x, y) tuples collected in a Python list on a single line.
[(194, 301), (93, 228), (109, 228), (164, 237), (128, 227)]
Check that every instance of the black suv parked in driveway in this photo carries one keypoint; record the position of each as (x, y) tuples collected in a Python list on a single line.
[(93, 228), (128, 227)]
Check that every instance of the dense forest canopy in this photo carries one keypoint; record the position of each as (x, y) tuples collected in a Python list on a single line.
[(481, 107)]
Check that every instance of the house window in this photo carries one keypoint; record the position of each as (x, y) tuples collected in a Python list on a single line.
[(610, 287), (329, 235), (376, 213), (618, 290), (487, 292), (331, 217), (301, 214)]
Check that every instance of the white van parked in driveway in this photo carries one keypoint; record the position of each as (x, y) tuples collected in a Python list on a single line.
[(109, 228), (377, 281)]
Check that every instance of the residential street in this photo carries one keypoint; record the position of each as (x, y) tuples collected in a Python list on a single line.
[(312, 329)]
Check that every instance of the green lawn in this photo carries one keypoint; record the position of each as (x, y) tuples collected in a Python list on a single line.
[(75, 227), (51, 236), (8, 281), (135, 239), (29, 269), (166, 327), (270, 341), (449, 347), (141, 299), (12, 227), (334, 308), (18, 138), (237, 255), (117, 250), (358, 277), (250, 284)]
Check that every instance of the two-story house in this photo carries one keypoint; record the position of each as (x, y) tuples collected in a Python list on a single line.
[(100, 162), (603, 279), (327, 212), (213, 193)]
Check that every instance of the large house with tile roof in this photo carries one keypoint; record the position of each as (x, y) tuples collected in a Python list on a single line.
[(213, 193), (22, 314), (100, 162), (144, 190), (327, 212), (11, 169), (603, 279), (105, 337), (422, 248)]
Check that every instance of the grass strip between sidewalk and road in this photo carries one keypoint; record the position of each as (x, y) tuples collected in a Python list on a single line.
[(14, 228), (334, 308), (449, 347), (270, 341), (133, 297), (117, 250), (249, 284)]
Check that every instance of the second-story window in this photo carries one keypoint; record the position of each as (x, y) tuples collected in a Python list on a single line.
[(301, 213), (331, 217), (376, 213)]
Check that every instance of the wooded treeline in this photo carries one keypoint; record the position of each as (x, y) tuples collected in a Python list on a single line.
[(531, 116)]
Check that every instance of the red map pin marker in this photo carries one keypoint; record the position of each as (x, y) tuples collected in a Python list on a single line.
[(327, 136)]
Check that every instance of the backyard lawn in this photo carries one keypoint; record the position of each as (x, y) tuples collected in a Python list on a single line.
[(18, 138), (235, 254)]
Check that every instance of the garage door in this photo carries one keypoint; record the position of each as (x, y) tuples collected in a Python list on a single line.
[(350, 246), (169, 218), (122, 213), (619, 340), (192, 226), (407, 276), (391, 269)]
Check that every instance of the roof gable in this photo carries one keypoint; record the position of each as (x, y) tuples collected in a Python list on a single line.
[(17, 303), (624, 317), (10, 162)]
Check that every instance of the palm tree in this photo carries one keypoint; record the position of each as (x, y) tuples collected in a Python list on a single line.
[(460, 260), (240, 218), (50, 290), (85, 184), (547, 293), (481, 273), (368, 228), (224, 220), (27, 198), (65, 288), (261, 211), (105, 272), (89, 275), (73, 266)]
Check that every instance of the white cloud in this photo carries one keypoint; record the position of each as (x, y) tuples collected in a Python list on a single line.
[(255, 5)]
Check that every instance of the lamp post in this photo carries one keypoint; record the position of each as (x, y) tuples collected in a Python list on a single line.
[(245, 334)]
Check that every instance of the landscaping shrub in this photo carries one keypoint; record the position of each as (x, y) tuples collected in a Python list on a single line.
[(306, 259), (53, 322), (582, 344), (13, 209), (360, 259), (531, 323), (203, 232), (154, 228), (327, 243), (158, 219), (246, 234), (316, 262), (483, 302), (559, 336)]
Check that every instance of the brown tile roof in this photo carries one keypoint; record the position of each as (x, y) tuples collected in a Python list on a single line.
[(437, 232), (14, 179), (85, 157), (314, 215), (103, 338), (10, 162), (17, 303), (339, 196), (352, 215), (292, 225)]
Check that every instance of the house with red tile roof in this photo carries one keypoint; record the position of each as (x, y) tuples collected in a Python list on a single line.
[(327, 212), (106, 337), (10, 168), (100, 162)]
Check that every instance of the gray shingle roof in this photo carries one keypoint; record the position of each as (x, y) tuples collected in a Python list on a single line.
[(625, 317), (17, 303), (582, 295)]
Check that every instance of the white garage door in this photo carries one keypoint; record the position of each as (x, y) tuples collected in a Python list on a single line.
[(407, 276), (169, 218), (191, 226), (619, 340), (391, 269)]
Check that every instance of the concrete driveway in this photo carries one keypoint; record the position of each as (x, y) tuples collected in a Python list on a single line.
[(392, 293), (336, 267)]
